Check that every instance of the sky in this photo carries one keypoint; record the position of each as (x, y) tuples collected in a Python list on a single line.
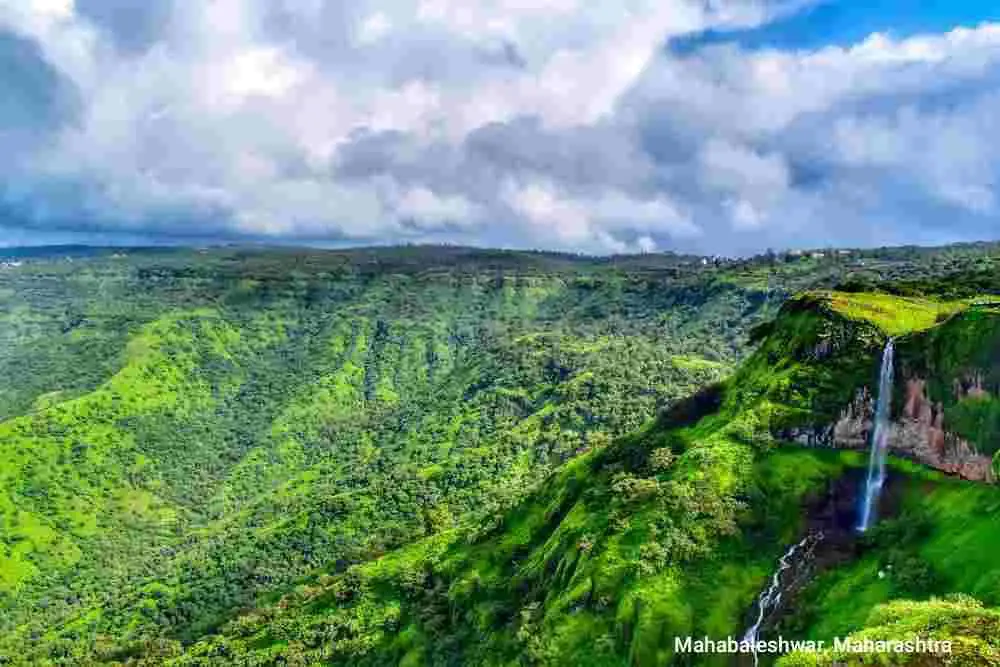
[(710, 126)]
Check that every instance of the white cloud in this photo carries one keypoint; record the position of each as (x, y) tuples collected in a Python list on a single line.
[(430, 210), (744, 214), (741, 170), (599, 223), (764, 92), (944, 151), (373, 28), (264, 71), (55, 9), (562, 123)]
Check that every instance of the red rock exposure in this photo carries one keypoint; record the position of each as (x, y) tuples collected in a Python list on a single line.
[(920, 433), (914, 397)]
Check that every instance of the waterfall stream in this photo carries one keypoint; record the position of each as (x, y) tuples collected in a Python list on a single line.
[(880, 440), (771, 598)]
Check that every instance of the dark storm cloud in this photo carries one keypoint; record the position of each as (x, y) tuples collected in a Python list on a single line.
[(34, 99)]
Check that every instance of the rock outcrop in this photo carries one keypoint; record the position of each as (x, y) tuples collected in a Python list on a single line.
[(818, 361), (919, 432)]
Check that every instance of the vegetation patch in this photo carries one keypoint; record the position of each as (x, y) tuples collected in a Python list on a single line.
[(448, 456)]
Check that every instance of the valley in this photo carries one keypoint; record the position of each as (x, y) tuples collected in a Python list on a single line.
[(444, 456)]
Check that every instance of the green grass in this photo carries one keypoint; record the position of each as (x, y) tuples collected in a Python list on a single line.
[(696, 363), (592, 605), (972, 631), (960, 524), (66, 472), (614, 556), (191, 435), (894, 315)]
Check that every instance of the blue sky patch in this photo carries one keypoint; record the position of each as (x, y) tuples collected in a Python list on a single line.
[(845, 22)]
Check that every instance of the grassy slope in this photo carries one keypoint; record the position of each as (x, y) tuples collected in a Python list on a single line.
[(893, 315), (972, 631), (944, 541), (563, 581), (670, 532), (618, 549), (390, 418), (70, 473)]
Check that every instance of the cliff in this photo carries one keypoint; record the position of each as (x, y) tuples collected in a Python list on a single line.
[(946, 407), (674, 530)]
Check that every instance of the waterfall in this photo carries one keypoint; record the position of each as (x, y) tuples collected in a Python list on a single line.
[(880, 440), (770, 598)]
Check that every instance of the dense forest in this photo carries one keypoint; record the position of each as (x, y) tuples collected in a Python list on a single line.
[(448, 456)]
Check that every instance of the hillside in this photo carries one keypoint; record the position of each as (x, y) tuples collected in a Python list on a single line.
[(670, 532), (439, 456)]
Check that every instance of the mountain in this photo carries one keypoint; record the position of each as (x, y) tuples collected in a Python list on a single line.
[(447, 456), (673, 530)]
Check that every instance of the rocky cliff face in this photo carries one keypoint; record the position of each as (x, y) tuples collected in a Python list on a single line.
[(919, 432), (946, 403)]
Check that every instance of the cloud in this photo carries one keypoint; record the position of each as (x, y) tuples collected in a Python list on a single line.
[(610, 221), (750, 183), (880, 142), (34, 99), (562, 124), (131, 26), (428, 210)]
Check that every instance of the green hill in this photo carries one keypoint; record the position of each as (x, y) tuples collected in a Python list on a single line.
[(670, 532), (444, 456)]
